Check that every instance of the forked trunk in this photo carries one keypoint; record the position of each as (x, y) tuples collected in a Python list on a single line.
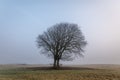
[(56, 64)]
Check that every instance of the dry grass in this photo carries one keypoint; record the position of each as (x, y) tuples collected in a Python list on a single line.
[(49, 74)]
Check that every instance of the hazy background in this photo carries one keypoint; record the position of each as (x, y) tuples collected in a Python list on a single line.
[(22, 20)]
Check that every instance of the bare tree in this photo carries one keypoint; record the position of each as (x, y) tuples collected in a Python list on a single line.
[(63, 41)]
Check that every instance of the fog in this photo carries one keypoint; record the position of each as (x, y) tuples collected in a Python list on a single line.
[(21, 21)]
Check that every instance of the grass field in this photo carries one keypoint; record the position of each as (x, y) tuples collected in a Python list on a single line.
[(79, 73)]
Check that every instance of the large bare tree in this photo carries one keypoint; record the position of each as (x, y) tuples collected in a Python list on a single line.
[(63, 41)]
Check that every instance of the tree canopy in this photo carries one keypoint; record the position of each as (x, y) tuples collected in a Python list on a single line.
[(63, 41)]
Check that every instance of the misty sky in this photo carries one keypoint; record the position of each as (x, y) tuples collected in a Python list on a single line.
[(22, 20)]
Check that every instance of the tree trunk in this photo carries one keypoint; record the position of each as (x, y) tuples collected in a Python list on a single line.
[(58, 63), (55, 63)]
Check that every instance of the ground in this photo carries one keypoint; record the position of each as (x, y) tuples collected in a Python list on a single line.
[(82, 72)]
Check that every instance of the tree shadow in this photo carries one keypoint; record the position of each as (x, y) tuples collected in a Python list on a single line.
[(60, 68)]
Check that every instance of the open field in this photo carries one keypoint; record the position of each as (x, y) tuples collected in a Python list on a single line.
[(83, 72)]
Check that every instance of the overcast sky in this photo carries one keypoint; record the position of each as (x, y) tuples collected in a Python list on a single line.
[(22, 20)]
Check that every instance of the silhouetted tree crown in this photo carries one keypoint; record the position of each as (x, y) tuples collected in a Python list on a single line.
[(63, 41)]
